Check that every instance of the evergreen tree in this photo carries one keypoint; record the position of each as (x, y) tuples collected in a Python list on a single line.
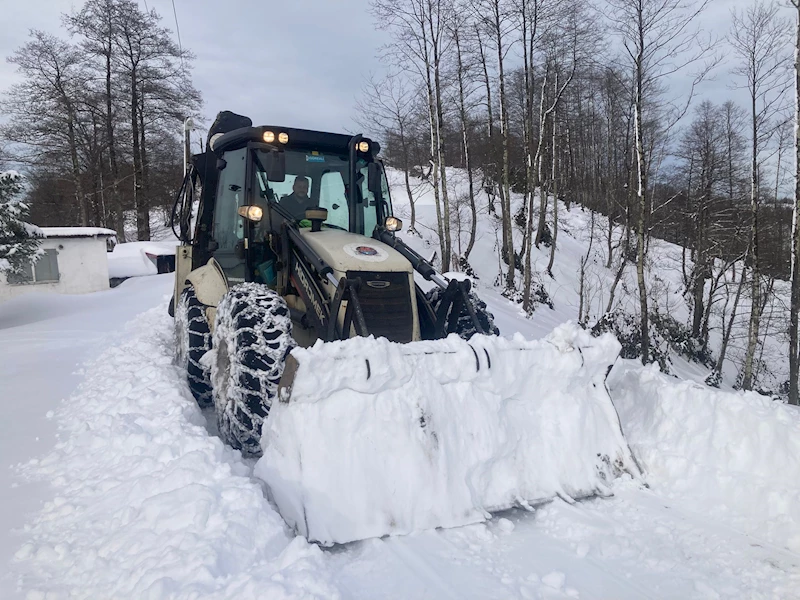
[(19, 241)]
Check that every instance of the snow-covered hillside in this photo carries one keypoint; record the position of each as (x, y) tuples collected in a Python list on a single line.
[(137, 498), (583, 237)]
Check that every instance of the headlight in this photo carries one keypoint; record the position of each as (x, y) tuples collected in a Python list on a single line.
[(269, 136), (393, 224), (363, 146), (251, 213), (283, 138)]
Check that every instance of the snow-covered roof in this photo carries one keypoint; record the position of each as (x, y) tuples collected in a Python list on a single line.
[(68, 232)]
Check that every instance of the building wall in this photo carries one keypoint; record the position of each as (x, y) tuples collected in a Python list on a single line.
[(82, 266)]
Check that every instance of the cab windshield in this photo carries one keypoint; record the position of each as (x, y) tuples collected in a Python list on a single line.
[(323, 179)]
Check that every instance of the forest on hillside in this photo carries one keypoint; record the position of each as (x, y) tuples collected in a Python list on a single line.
[(602, 104)]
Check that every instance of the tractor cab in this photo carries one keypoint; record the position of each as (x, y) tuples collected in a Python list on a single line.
[(266, 178)]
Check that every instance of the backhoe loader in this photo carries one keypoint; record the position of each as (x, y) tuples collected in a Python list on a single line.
[(299, 307)]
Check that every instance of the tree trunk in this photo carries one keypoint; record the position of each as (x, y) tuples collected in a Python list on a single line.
[(404, 146), (755, 277), (142, 223), (490, 121), (794, 307), (462, 107), (145, 187), (641, 194), (117, 214), (80, 197), (435, 166), (508, 232), (715, 378), (624, 248), (535, 182), (700, 258), (447, 250), (554, 186)]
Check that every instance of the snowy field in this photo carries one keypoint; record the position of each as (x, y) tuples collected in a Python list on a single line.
[(114, 484)]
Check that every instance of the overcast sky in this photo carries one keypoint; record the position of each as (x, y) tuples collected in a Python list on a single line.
[(293, 62)]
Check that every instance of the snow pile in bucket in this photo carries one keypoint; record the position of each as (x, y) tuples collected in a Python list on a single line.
[(146, 503), (733, 455), (382, 438)]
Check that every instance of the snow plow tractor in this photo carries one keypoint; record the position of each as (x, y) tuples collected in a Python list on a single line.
[(376, 407)]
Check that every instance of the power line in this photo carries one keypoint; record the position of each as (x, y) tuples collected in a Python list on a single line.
[(178, 31)]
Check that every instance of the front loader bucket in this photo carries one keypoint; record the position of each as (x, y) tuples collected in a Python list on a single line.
[(375, 438)]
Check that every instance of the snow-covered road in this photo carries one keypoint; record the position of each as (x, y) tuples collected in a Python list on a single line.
[(142, 502), (44, 338)]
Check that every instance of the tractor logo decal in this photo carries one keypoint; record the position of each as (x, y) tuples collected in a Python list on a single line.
[(366, 253)]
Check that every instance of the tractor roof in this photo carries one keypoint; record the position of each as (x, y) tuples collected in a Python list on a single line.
[(301, 139)]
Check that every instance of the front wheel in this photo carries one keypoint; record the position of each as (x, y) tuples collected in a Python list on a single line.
[(252, 338)]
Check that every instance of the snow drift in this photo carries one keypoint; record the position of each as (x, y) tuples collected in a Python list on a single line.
[(381, 438), (735, 455)]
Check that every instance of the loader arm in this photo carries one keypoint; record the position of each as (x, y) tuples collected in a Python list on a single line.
[(455, 299)]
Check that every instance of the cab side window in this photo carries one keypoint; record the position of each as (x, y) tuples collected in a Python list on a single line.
[(368, 206), (228, 227), (333, 197)]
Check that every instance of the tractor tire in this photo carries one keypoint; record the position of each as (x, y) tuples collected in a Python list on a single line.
[(252, 338), (464, 326), (192, 341)]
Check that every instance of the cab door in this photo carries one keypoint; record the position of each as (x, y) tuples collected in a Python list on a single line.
[(228, 228)]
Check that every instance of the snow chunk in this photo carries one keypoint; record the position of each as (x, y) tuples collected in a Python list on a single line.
[(556, 580), (733, 455), (505, 525), (383, 438)]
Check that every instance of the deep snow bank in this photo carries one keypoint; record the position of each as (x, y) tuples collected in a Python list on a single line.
[(147, 504), (735, 455), (383, 438)]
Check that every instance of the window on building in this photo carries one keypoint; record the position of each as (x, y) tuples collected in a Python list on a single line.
[(44, 270)]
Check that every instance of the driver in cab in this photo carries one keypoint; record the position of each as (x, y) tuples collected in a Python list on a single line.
[(298, 201)]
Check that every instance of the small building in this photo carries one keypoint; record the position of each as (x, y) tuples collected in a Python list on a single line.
[(74, 262)]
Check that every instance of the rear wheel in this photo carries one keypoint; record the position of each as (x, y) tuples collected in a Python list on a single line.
[(192, 341), (252, 337), (464, 326)]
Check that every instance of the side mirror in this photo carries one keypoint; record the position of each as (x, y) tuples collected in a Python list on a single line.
[(374, 184), (275, 165)]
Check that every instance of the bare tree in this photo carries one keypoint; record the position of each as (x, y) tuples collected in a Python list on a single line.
[(660, 41), (418, 46), (496, 18), (388, 104), (703, 147), (153, 67), (463, 76), (794, 307), (95, 22), (758, 39), (44, 108)]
